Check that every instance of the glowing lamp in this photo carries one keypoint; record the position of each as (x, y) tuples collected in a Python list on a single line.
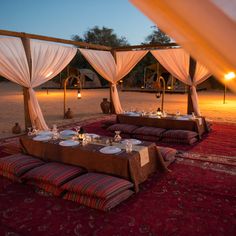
[(230, 75), (159, 112), (169, 87), (79, 96)]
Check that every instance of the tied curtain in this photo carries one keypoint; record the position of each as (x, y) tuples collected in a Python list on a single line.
[(176, 61), (113, 71), (47, 61), (204, 28)]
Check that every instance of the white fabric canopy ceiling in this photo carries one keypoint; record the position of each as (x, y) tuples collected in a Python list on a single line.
[(205, 28)]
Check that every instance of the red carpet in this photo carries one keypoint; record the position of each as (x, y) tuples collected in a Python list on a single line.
[(194, 199), (188, 201)]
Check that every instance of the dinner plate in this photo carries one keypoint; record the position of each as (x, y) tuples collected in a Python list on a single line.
[(44, 133), (133, 141), (68, 143), (92, 135), (68, 132), (110, 150), (42, 138)]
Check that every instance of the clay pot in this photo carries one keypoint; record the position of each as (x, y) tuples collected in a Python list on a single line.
[(68, 114), (16, 129), (105, 106)]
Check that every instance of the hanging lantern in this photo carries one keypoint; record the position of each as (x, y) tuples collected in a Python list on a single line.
[(79, 96), (159, 112)]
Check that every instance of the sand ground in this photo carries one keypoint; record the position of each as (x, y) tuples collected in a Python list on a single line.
[(12, 110)]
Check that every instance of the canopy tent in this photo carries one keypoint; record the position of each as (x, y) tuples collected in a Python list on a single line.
[(204, 28), (112, 64), (47, 61)]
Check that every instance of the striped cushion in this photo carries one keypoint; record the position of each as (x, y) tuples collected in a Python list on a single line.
[(99, 203), (18, 164), (52, 173), (9, 176), (97, 185), (147, 131), (146, 137), (180, 141), (49, 188), (167, 153), (124, 128), (179, 134)]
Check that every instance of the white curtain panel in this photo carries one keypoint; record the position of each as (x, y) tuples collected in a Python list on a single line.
[(126, 61), (104, 63), (13, 62), (176, 61), (204, 28), (47, 61)]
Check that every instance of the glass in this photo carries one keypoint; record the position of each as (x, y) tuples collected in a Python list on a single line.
[(117, 137), (77, 129), (29, 131), (128, 146)]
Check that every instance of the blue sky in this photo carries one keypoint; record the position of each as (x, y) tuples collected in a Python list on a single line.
[(64, 18)]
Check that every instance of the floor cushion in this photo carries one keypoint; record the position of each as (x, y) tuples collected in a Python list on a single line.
[(14, 166), (167, 153), (146, 137), (149, 131), (124, 128), (52, 175), (179, 134), (189, 141), (98, 191)]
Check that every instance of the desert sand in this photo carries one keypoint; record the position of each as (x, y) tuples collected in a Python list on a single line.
[(12, 109)]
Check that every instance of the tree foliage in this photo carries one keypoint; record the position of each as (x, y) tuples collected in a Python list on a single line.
[(157, 36), (103, 36)]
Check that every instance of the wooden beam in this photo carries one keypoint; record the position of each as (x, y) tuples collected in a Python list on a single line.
[(52, 39), (146, 47)]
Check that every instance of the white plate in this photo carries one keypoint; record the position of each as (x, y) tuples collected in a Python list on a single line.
[(110, 150), (42, 138), (68, 132), (68, 143), (133, 141), (92, 135), (44, 133)]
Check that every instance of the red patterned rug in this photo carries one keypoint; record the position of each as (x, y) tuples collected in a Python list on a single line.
[(188, 201), (197, 198)]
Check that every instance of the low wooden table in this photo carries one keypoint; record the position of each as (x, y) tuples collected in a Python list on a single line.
[(124, 165), (165, 123)]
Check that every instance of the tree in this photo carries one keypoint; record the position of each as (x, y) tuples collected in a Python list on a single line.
[(157, 36), (104, 36)]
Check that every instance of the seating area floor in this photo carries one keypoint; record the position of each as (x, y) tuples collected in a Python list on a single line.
[(198, 197)]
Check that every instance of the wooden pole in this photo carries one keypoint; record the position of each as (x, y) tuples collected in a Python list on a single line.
[(112, 109), (26, 45), (192, 67)]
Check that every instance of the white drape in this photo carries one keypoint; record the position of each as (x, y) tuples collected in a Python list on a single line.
[(104, 63), (47, 61), (176, 61), (205, 28)]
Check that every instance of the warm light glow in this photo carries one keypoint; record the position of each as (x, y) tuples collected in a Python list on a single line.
[(49, 74), (230, 75), (169, 87), (79, 96)]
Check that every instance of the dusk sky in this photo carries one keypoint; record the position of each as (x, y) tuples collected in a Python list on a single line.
[(65, 18)]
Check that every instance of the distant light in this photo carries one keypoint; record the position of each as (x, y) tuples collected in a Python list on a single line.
[(79, 96), (230, 75), (142, 87), (169, 87), (50, 73)]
